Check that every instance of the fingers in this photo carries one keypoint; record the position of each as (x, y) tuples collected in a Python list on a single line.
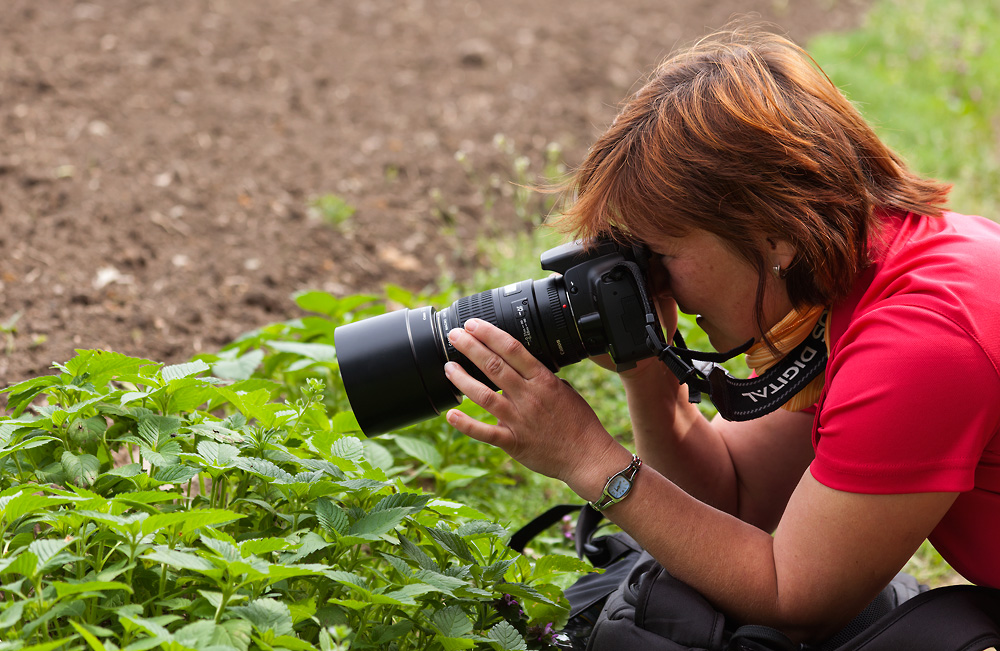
[(496, 435), (495, 352)]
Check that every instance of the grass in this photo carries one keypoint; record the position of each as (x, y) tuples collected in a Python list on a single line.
[(924, 73)]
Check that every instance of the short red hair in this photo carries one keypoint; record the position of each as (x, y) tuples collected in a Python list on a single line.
[(744, 136)]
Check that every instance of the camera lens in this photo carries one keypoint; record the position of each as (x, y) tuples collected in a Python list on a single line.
[(393, 364)]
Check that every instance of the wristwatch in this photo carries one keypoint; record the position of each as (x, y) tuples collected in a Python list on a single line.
[(618, 486)]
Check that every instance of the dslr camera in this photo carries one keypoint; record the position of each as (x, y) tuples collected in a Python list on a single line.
[(595, 302)]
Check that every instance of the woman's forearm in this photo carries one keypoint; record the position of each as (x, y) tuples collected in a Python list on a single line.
[(673, 436)]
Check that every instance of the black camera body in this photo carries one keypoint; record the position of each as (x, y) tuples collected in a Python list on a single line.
[(393, 364)]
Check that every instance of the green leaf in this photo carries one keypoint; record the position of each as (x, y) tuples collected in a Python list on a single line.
[(506, 637), (413, 502), (82, 470), (259, 546), (217, 455), (266, 615), (377, 523), (100, 366), (377, 455), (179, 560), (26, 503), (331, 517), (167, 454), (453, 543), (240, 368), (11, 614), (188, 521), (452, 621), (177, 371), (63, 589), (347, 578), (315, 352), (349, 448), (440, 582), (178, 474), (455, 643), (343, 422), (217, 431), (263, 468), (420, 450)]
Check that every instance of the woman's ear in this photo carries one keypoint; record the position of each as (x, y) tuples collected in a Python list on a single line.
[(781, 252)]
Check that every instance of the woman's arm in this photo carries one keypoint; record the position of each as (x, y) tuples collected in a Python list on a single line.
[(747, 469), (831, 553)]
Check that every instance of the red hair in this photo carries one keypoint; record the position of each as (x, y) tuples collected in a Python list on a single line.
[(744, 136)]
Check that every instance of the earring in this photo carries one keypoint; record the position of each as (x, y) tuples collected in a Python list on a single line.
[(776, 271)]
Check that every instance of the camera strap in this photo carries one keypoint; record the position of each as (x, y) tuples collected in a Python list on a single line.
[(735, 399), (739, 399)]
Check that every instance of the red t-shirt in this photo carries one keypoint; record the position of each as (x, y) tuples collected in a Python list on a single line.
[(912, 396)]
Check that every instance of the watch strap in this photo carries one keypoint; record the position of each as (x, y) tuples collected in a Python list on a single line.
[(607, 498)]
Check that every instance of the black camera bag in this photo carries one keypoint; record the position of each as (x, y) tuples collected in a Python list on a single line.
[(636, 604)]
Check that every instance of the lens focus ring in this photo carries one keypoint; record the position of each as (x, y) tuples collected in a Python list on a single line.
[(477, 306)]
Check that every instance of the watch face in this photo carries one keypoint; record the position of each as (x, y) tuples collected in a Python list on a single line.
[(618, 487)]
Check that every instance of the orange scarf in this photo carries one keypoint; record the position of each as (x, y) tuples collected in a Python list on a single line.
[(786, 335)]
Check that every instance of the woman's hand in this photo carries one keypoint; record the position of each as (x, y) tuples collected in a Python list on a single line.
[(543, 423)]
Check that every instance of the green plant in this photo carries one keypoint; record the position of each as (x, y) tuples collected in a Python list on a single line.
[(147, 506), (332, 209), (924, 72)]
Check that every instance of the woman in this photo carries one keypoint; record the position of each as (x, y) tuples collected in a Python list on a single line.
[(768, 199)]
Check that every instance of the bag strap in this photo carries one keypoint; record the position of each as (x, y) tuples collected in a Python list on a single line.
[(952, 618), (609, 549)]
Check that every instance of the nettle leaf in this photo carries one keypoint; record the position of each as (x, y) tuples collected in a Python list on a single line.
[(178, 474), (453, 543), (315, 352), (218, 431), (238, 368), (167, 454), (100, 366), (178, 371), (11, 614), (49, 553), (224, 549), (250, 403), (178, 559), (440, 582), (188, 521), (261, 546), (413, 502), (344, 421), (455, 643), (154, 428), (378, 455), (217, 455), (347, 578), (81, 470), (349, 448), (64, 589), (308, 544), (452, 621), (263, 468), (331, 517), (554, 565), (481, 528), (417, 555), (420, 450), (376, 523), (26, 503), (266, 615), (506, 638)]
